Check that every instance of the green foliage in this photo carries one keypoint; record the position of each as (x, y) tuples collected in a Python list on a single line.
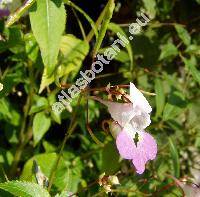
[(183, 34), (41, 124), (104, 26), (175, 158), (32, 48), (168, 50), (116, 28), (24, 189), (191, 67), (160, 97), (73, 52), (67, 176), (113, 165), (48, 23), (44, 55), (41, 103), (150, 7)]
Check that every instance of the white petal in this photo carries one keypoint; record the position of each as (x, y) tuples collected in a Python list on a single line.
[(120, 112), (138, 99), (140, 122)]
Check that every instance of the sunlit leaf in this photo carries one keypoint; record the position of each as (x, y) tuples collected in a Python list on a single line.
[(191, 66), (48, 23), (160, 97), (67, 175), (183, 34), (74, 52), (40, 103), (104, 26), (116, 28), (150, 7), (41, 124), (24, 189), (175, 158), (168, 50)]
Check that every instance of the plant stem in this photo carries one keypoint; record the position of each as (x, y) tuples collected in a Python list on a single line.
[(16, 160), (98, 23), (23, 141), (24, 137), (68, 133), (80, 24), (73, 123)]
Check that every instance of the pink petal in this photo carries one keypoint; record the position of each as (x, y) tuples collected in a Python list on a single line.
[(125, 145), (148, 145), (146, 149), (139, 164)]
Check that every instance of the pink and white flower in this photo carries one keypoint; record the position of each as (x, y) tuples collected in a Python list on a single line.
[(139, 152), (130, 119), (137, 113)]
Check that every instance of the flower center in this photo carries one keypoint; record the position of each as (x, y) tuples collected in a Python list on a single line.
[(136, 139)]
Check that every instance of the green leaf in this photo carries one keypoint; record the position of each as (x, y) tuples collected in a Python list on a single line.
[(116, 28), (8, 112), (150, 7), (74, 52), (191, 66), (46, 162), (175, 105), (24, 189), (160, 97), (113, 165), (40, 103), (193, 49), (5, 109), (68, 173), (48, 23), (64, 194), (122, 57), (170, 111), (52, 98), (14, 40), (175, 158), (31, 47), (183, 34), (6, 157), (41, 124), (168, 50), (104, 26), (12, 79), (49, 148)]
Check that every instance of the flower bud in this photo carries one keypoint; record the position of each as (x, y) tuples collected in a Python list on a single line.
[(115, 129), (107, 182), (113, 180)]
